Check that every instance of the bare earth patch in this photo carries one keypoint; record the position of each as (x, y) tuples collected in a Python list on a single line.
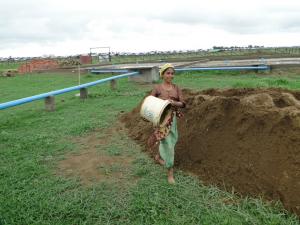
[(93, 163)]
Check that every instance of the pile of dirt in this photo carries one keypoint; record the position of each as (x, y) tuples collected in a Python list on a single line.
[(246, 139)]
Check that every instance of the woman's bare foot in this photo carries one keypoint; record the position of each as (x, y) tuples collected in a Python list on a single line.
[(159, 160), (171, 179)]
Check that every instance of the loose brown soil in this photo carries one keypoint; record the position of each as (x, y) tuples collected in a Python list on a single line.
[(246, 139)]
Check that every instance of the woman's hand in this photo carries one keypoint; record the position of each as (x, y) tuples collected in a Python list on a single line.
[(176, 103)]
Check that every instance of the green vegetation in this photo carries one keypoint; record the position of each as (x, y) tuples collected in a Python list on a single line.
[(33, 143), (236, 79), (9, 66), (222, 53)]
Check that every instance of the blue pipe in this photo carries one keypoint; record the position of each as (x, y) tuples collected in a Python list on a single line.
[(263, 67), (57, 92), (97, 71)]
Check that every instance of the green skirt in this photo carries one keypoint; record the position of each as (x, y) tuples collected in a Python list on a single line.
[(167, 145)]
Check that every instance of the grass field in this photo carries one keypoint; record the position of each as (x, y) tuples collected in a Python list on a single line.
[(34, 142), (4, 66)]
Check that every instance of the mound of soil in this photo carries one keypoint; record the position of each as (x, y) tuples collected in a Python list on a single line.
[(246, 139)]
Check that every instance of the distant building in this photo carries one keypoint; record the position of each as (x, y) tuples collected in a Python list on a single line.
[(37, 64), (85, 59)]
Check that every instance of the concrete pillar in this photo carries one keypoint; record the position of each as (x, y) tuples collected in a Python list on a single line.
[(113, 84), (147, 74), (83, 93), (262, 71), (50, 103)]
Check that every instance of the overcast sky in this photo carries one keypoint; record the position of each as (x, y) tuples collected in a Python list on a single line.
[(63, 27)]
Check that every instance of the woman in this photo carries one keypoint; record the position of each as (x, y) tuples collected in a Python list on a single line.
[(167, 135)]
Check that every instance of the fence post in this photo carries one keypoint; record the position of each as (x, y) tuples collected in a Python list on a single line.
[(83, 93), (113, 84), (50, 103)]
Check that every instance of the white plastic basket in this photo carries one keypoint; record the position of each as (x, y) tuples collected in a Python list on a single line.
[(153, 109)]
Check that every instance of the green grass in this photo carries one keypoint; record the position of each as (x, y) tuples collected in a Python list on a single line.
[(235, 79), (255, 53), (32, 142), (9, 66)]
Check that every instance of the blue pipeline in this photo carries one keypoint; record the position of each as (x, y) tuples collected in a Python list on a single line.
[(263, 67), (57, 92), (97, 71)]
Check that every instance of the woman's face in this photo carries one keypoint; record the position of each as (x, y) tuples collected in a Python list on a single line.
[(169, 75)]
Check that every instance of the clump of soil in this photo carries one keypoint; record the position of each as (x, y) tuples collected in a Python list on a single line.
[(246, 139)]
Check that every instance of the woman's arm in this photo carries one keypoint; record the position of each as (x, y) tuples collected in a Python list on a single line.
[(155, 91), (181, 102)]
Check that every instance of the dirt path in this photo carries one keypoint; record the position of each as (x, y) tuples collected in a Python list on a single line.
[(246, 139)]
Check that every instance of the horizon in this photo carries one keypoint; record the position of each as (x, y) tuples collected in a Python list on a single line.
[(154, 51)]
